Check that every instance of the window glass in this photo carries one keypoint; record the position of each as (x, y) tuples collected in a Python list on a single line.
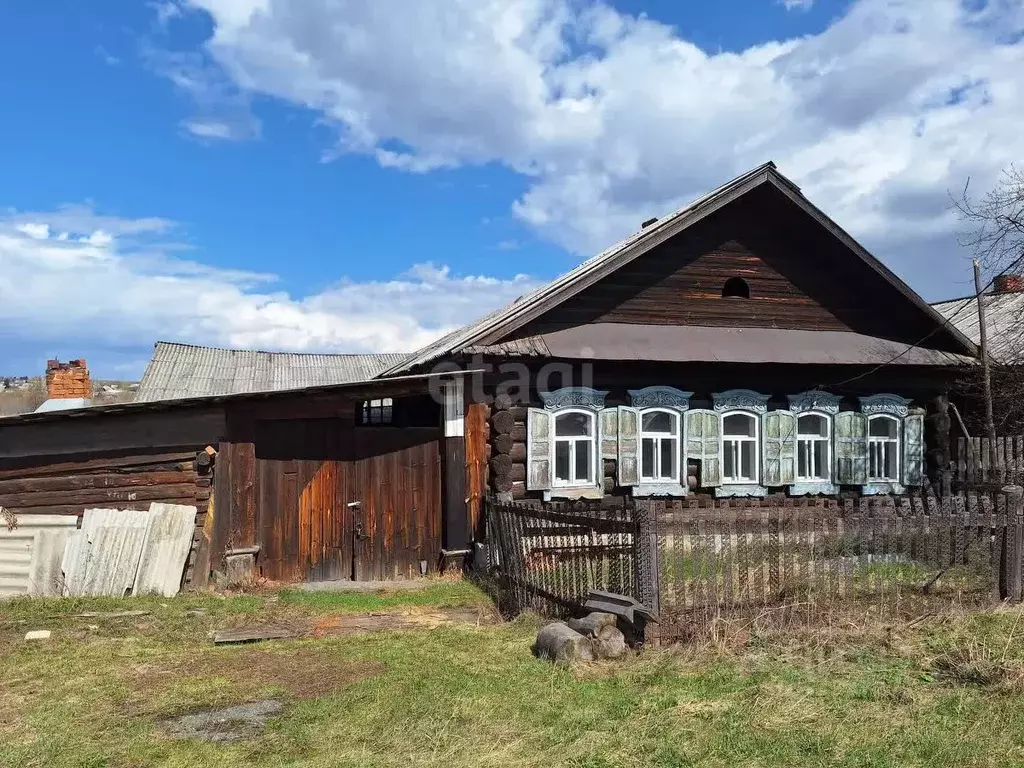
[(562, 451), (583, 450), (658, 421), (647, 458), (748, 455), (812, 424), (573, 425), (883, 427), (739, 424), (668, 458)]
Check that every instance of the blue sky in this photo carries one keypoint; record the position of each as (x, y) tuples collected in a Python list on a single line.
[(354, 176)]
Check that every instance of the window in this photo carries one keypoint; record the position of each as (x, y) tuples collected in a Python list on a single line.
[(739, 448), (813, 440), (377, 411), (883, 448), (659, 446), (575, 448), (735, 288)]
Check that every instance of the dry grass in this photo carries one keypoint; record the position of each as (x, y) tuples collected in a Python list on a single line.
[(938, 689)]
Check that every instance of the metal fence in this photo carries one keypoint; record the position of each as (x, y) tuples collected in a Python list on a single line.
[(717, 558), (549, 557)]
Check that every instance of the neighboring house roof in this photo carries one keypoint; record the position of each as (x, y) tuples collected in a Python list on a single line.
[(185, 371), (493, 327), (1003, 313), (63, 404)]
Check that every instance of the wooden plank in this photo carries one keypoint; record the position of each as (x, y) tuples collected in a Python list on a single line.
[(100, 496), (243, 495), (76, 482), (135, 461), (113, 432), (252, 635)]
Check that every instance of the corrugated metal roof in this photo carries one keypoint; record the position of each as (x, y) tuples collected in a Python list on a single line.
[(1003, 315), (506, 319), (180, 371)]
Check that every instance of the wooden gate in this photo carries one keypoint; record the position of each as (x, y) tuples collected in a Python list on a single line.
[(343, 503)]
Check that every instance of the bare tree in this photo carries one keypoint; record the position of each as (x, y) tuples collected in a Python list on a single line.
[(994, 233)]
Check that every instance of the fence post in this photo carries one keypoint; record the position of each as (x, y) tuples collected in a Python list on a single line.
[(1013, 545), (645, 545)]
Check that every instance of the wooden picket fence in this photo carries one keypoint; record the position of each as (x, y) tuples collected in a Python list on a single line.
[(716, 557), (980, 462)]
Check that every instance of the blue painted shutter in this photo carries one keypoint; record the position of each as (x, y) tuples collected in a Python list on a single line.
[(779, 441), (851, 448), (539, 450), (913, 450)]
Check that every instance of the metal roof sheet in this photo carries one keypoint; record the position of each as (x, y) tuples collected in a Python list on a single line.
[(670, 343), (487, 330), (30, 553), (1003, 315), (180, 371)]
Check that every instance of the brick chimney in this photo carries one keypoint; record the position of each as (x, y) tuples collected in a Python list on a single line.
[(67, 380), (1008, 284)]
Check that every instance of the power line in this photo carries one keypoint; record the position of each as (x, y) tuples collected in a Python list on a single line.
[(942, 326)]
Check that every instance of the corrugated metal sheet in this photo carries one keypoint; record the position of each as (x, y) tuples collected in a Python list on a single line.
[(180, 371), (119, 552), (1003, 313), (30, 554), (628, 341), (162, 563)]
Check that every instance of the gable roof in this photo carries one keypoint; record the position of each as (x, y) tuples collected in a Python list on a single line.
[(492, 328), (186, 371), (1002, 320)]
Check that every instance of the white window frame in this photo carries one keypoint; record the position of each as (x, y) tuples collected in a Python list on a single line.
[(591, 481), (801, 440), (658, 437), (897, 441), (755, 439)]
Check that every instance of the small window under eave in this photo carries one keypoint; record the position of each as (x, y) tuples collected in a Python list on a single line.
[(735, 288)]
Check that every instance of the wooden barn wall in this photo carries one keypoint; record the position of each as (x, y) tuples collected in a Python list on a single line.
[(127, 479), (507, 418), (289, 471), (800, 277), (477, 456)]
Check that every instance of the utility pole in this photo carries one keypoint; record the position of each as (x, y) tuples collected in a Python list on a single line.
[(990, 426)]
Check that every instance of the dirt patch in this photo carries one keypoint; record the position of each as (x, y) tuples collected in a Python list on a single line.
[(348, 624), (250, 673), (220, 725)]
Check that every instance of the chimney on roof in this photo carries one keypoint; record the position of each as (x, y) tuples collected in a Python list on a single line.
[(648, 223), (68, 380), (1008, 284)]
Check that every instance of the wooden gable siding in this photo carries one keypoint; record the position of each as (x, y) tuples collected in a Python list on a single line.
[(800, 277)]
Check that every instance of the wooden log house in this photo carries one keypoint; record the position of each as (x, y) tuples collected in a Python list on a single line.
[(743, 346)]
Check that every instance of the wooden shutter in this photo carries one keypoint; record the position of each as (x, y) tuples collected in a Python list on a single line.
[(539, 450), (704, 443), (629, 446), (610, 433), (851, 448), (913, 450), (779, 433)]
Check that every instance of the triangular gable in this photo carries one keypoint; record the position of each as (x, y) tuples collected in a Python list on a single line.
[(918, 319)]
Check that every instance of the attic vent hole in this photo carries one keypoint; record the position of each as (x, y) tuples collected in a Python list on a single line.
[(736, 287)]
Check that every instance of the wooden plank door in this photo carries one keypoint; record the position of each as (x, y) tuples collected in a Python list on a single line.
[(395, 477)]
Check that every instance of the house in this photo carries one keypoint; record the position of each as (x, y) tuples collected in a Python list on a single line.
[(743, 346)]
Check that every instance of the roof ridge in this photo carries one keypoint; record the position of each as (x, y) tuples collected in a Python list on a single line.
[(183, 345)]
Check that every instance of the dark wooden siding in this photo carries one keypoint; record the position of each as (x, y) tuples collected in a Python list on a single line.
[(799, 275), (132, 479), (476, 465)]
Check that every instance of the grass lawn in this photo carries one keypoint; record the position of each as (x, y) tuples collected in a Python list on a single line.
[(939, 692)]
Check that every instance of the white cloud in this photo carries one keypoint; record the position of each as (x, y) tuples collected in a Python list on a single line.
[(797, 5), (73, 277), (614, 119)]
